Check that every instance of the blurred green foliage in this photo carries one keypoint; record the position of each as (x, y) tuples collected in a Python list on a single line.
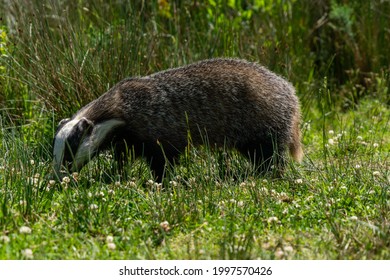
[(65, 53)]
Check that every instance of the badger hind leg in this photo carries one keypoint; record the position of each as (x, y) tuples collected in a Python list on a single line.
[(295, 146), (265, 157)]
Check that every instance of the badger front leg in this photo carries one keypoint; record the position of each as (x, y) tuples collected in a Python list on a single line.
[(121, 157)]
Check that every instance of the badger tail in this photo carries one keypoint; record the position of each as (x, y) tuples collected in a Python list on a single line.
[(295, 145)]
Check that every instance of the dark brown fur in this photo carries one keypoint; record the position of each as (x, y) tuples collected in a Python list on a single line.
[(231, 102)]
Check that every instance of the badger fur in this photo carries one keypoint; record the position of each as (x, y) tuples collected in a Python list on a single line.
[(229, 102)]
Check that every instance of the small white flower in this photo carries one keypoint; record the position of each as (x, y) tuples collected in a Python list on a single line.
[(279, 253), (360, 138), (150, 183), (376, 173), (100, 194), (52, 182), (32, 162), (331, 141), (93, 207), (272, 220), (288, 249), (75, 176), (66, 180), (331, 132), (298, 181), (353, 218), (111, 246), (240, 203), (4, 238), (27, 253), (165, 226), (25, 230), (117, 184), (375, 145), (109, 239), (358, 166)]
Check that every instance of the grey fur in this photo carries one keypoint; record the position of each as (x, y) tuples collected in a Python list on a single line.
[(233, 102)]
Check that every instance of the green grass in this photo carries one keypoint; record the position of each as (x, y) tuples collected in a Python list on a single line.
[(335, 205)]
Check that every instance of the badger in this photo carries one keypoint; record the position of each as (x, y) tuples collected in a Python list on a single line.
[(230, 102)]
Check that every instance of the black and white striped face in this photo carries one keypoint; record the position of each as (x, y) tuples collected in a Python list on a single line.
[(77, 141)]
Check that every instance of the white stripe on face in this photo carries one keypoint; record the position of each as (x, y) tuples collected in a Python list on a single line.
[(59, 144), (90, 145)]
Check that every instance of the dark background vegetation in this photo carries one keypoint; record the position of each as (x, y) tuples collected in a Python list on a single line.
[(65, 53)]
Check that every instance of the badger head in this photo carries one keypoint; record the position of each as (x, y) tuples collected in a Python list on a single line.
[(77, 141)]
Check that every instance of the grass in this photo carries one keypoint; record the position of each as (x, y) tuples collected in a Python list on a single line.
[(333, 206)]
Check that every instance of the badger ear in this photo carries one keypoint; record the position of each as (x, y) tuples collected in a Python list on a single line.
[(63, 121), (84, 125)]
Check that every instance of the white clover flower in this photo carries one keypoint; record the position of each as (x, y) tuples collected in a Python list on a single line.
[(298, 181), (279, 253), (165, 226), (100, 194), (376, 173), (358, 166), (5, 239), (240, 203), (360, 138), (243, 184), (27, 253), (52, 182), (32, 162), (109, 239), (75, 176), (288, 249), (25, 230), (66, 180), (331, 141), (375, 145), (150, 183), (117, 184), (93, 206), (272, 220), (111, 246), (331, 132)]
